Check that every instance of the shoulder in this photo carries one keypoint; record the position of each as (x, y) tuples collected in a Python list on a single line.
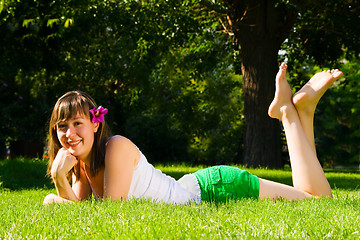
[(120, 141), (122, 146)]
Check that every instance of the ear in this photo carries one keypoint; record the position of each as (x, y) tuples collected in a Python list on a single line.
[(96, 126)]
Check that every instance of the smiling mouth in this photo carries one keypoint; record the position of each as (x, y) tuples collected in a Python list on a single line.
[(73, 143)]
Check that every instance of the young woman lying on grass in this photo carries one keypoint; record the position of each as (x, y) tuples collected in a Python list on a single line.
[(114, 168)]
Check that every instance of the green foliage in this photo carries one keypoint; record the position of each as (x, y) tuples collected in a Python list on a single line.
[(23, 173), (159, 67), (323, 29), (337, 115), (198, 105), (164, 70), (338, 119), (30, 57), (324, 37)]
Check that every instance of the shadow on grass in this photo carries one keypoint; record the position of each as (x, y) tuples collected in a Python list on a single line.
[(175, 174), (22, 173), (340, 179), (345, 183), (350, 181)]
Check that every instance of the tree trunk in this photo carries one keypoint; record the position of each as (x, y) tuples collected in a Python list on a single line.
[(262, 134), (260, 27)]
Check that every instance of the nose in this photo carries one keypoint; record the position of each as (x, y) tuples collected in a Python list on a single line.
[(70, 131)]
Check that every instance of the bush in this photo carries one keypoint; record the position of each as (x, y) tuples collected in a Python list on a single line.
[(23, 173)]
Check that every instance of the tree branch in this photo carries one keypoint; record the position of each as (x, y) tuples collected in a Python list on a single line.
[(215, 7), (226, 30)]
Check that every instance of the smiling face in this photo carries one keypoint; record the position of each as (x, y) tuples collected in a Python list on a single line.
[(77, 136), (70, 127)]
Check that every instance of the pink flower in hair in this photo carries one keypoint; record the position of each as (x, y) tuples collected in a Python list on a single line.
[(98, 114)]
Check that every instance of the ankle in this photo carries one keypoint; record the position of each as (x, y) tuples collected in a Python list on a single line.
[(287, 111)]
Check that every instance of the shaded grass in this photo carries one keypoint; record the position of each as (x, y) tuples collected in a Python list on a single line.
[(24, 216), (23, 173), (341, 179)]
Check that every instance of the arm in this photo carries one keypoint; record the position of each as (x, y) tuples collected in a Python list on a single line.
[(63, 163), (80, 187), (120, 160)]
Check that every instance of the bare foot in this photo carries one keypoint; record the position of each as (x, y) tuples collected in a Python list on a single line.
[(283, 94), (307, 98)]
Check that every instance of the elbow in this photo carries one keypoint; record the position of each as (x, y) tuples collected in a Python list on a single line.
[(52, 198), (49, 199), (115, 198)]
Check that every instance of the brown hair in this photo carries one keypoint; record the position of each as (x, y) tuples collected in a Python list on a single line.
[(66, 108)]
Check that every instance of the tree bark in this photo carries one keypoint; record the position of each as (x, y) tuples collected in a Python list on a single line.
[(260, 27), (262, 134)]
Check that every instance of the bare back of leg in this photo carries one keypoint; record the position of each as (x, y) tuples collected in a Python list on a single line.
[(308, 176), (307, 98)]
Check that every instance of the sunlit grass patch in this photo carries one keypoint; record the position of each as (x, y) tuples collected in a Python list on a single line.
[(24, 216)]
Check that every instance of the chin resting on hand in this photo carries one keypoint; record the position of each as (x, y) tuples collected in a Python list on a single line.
[(63, 163)]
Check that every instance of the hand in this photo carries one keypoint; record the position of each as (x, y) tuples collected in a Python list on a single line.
[(63, 163)]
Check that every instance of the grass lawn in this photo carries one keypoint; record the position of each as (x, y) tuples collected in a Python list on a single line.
[(24, 216)]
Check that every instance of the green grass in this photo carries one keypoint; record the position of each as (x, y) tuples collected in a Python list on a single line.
[(24, 216)]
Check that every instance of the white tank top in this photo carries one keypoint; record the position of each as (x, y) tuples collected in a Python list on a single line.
[(148, 182)]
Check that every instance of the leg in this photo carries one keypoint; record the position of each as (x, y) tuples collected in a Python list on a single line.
[(308, 176), (273, 190), (307, 98)]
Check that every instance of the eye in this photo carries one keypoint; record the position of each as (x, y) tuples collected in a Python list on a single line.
[(77, 123), (61, 126)]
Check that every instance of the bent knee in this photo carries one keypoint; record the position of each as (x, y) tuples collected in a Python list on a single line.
[(274, 190), (324, 195)]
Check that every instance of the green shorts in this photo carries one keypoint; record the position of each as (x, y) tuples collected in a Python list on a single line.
[(222, 183)]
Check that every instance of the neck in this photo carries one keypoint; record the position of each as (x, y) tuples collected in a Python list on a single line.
[(86, 159)]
